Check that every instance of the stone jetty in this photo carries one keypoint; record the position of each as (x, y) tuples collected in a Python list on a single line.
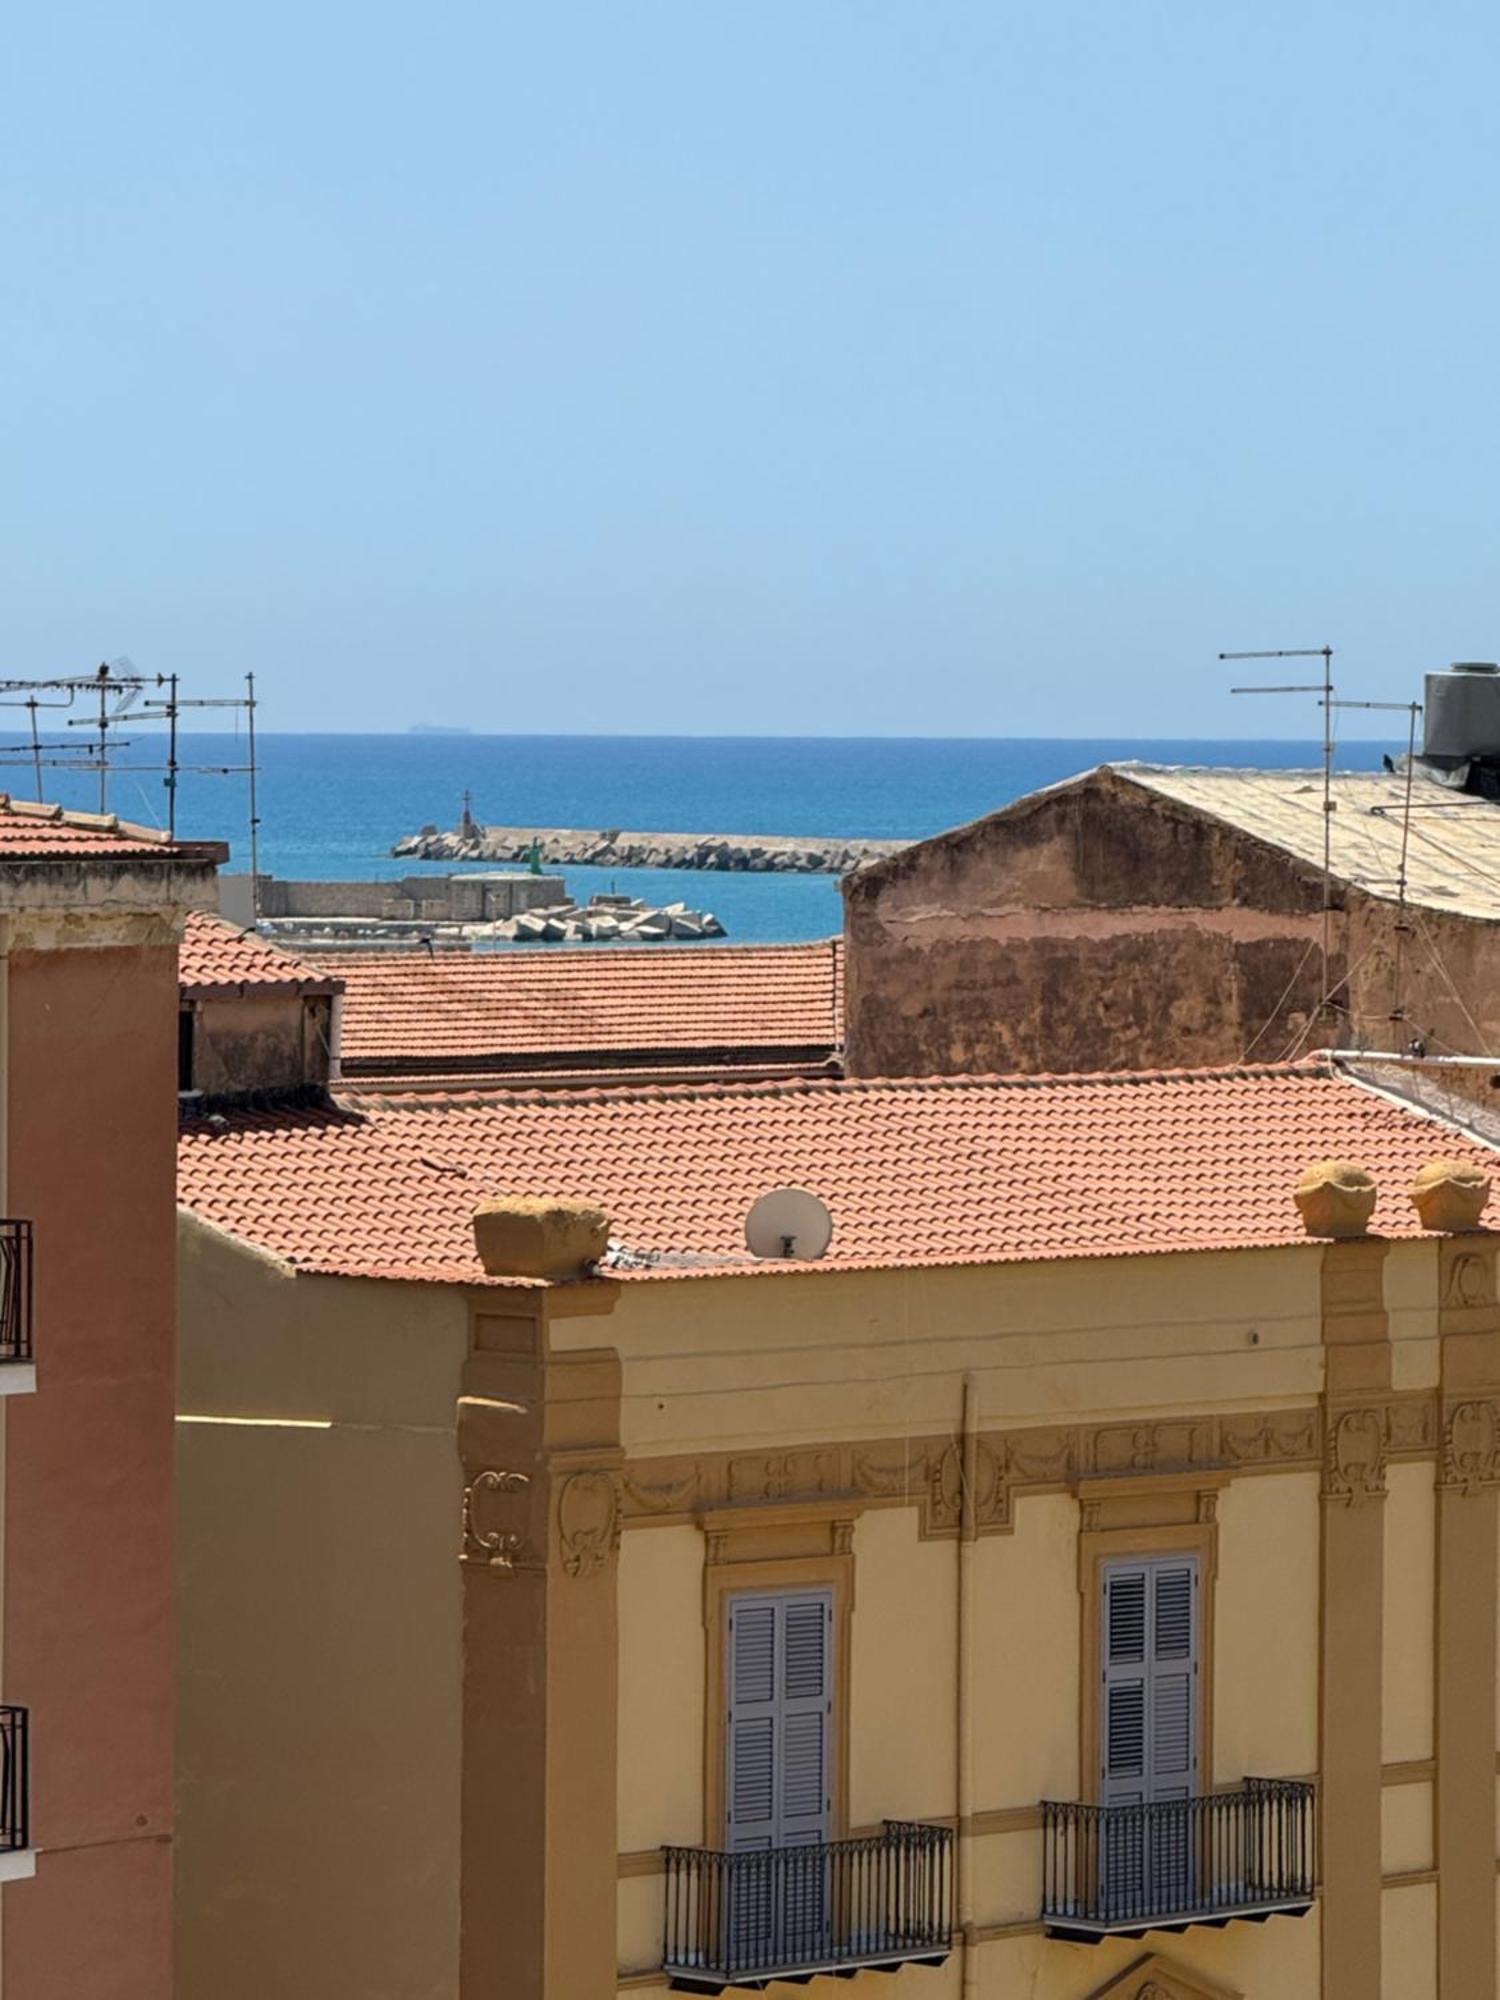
[(609, 847), (610, 920)]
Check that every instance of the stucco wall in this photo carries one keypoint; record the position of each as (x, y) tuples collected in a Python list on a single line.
[(788, 1360), (319, 1734), (745, 1363), (89, 1595), (265, 1041)]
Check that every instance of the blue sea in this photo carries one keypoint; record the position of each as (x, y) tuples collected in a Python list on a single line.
[(331, 806)]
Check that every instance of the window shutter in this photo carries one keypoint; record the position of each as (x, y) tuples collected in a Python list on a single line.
[(780, 1720), (804, 1800), (753, 1715), (1123, 1734), (1149, 1735), (1174, 1678)]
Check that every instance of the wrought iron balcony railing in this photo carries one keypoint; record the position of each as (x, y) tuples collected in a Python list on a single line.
[(15, 1291), (1177, 1862), (15, 1779), (788, 1912)]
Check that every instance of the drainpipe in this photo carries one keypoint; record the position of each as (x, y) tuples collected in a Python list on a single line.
[(967, 1535)]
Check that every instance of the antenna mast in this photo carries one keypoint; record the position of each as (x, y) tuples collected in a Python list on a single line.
[(1324, 692), (118, 688)]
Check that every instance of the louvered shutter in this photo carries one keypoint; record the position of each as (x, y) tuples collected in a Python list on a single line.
[(1173, 1771), (807, 1707), (780, 1719), (754, 1714), (1148, 1733), (1126, 1673)]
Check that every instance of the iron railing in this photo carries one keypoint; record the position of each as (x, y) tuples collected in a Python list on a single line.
[(885, 1899), (15, 1291), (1179, 1861), (15, 1778)]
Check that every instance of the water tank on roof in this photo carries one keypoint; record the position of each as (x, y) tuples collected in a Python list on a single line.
[(1461, 717)]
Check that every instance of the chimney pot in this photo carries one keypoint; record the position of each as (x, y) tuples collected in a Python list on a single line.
[(1336, 1199), (539, 1236)]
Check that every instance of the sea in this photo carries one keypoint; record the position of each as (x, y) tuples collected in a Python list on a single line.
[(332, 806)]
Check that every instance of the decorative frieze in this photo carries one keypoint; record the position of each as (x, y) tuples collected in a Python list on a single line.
[(926, 1472), (1349, 1443)]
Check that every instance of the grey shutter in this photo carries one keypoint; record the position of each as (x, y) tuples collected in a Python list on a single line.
[(754, 1711), (780, 1684), (1149, 1732), (1174, 1680), (1122, 1734)]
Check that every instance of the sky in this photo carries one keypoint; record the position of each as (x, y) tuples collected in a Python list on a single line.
[(804, 366)]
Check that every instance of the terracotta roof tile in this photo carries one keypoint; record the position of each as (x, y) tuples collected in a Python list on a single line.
[(45, 832), (455, 1010), (951, 1171), (217, 957)]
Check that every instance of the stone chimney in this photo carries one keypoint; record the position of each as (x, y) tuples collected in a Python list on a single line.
[(539, 1236)]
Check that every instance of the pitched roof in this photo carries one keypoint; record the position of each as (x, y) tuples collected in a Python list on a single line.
[(540, 1010), (1453, 849), (1453, 839), (217, 960), (33, 832), (944, 1171)]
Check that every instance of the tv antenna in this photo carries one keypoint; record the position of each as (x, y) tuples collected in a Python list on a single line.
[(118, 694), (1324, 691), (1328, 701)]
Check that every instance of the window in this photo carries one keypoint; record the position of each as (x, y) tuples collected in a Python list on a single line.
[(779, 1727)]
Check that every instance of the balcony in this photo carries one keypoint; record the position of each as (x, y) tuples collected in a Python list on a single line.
[(15, 1293), (841, 1906), (16, 1858), (1120, 1871)]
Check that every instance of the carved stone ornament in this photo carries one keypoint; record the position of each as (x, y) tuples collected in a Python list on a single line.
[(784, 1475), (1354, 1469), (1154, 1976), (1471, 1280), (945, 1488), (588, 1522), (1471, 1446), (668, 1496), (491, 1544)]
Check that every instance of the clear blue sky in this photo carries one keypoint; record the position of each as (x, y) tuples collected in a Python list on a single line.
[(718, 365)]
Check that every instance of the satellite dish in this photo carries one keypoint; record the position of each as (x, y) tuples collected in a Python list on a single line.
[(788, 1222)]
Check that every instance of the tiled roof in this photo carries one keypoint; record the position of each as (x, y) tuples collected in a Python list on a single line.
[(542, 1009), (947, 1171), (218, 958), (47, 833)]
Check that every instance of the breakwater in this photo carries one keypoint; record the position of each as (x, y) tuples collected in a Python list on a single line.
[(610, 847)]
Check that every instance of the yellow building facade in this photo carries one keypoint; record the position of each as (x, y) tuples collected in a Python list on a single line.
[(1118, 1626)]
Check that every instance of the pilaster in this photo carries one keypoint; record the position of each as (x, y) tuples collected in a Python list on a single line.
[(1468, 1530), (539, 1443), (1357, 1380)]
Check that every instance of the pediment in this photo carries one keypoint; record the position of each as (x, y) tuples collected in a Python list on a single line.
[(1156, 1977)]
